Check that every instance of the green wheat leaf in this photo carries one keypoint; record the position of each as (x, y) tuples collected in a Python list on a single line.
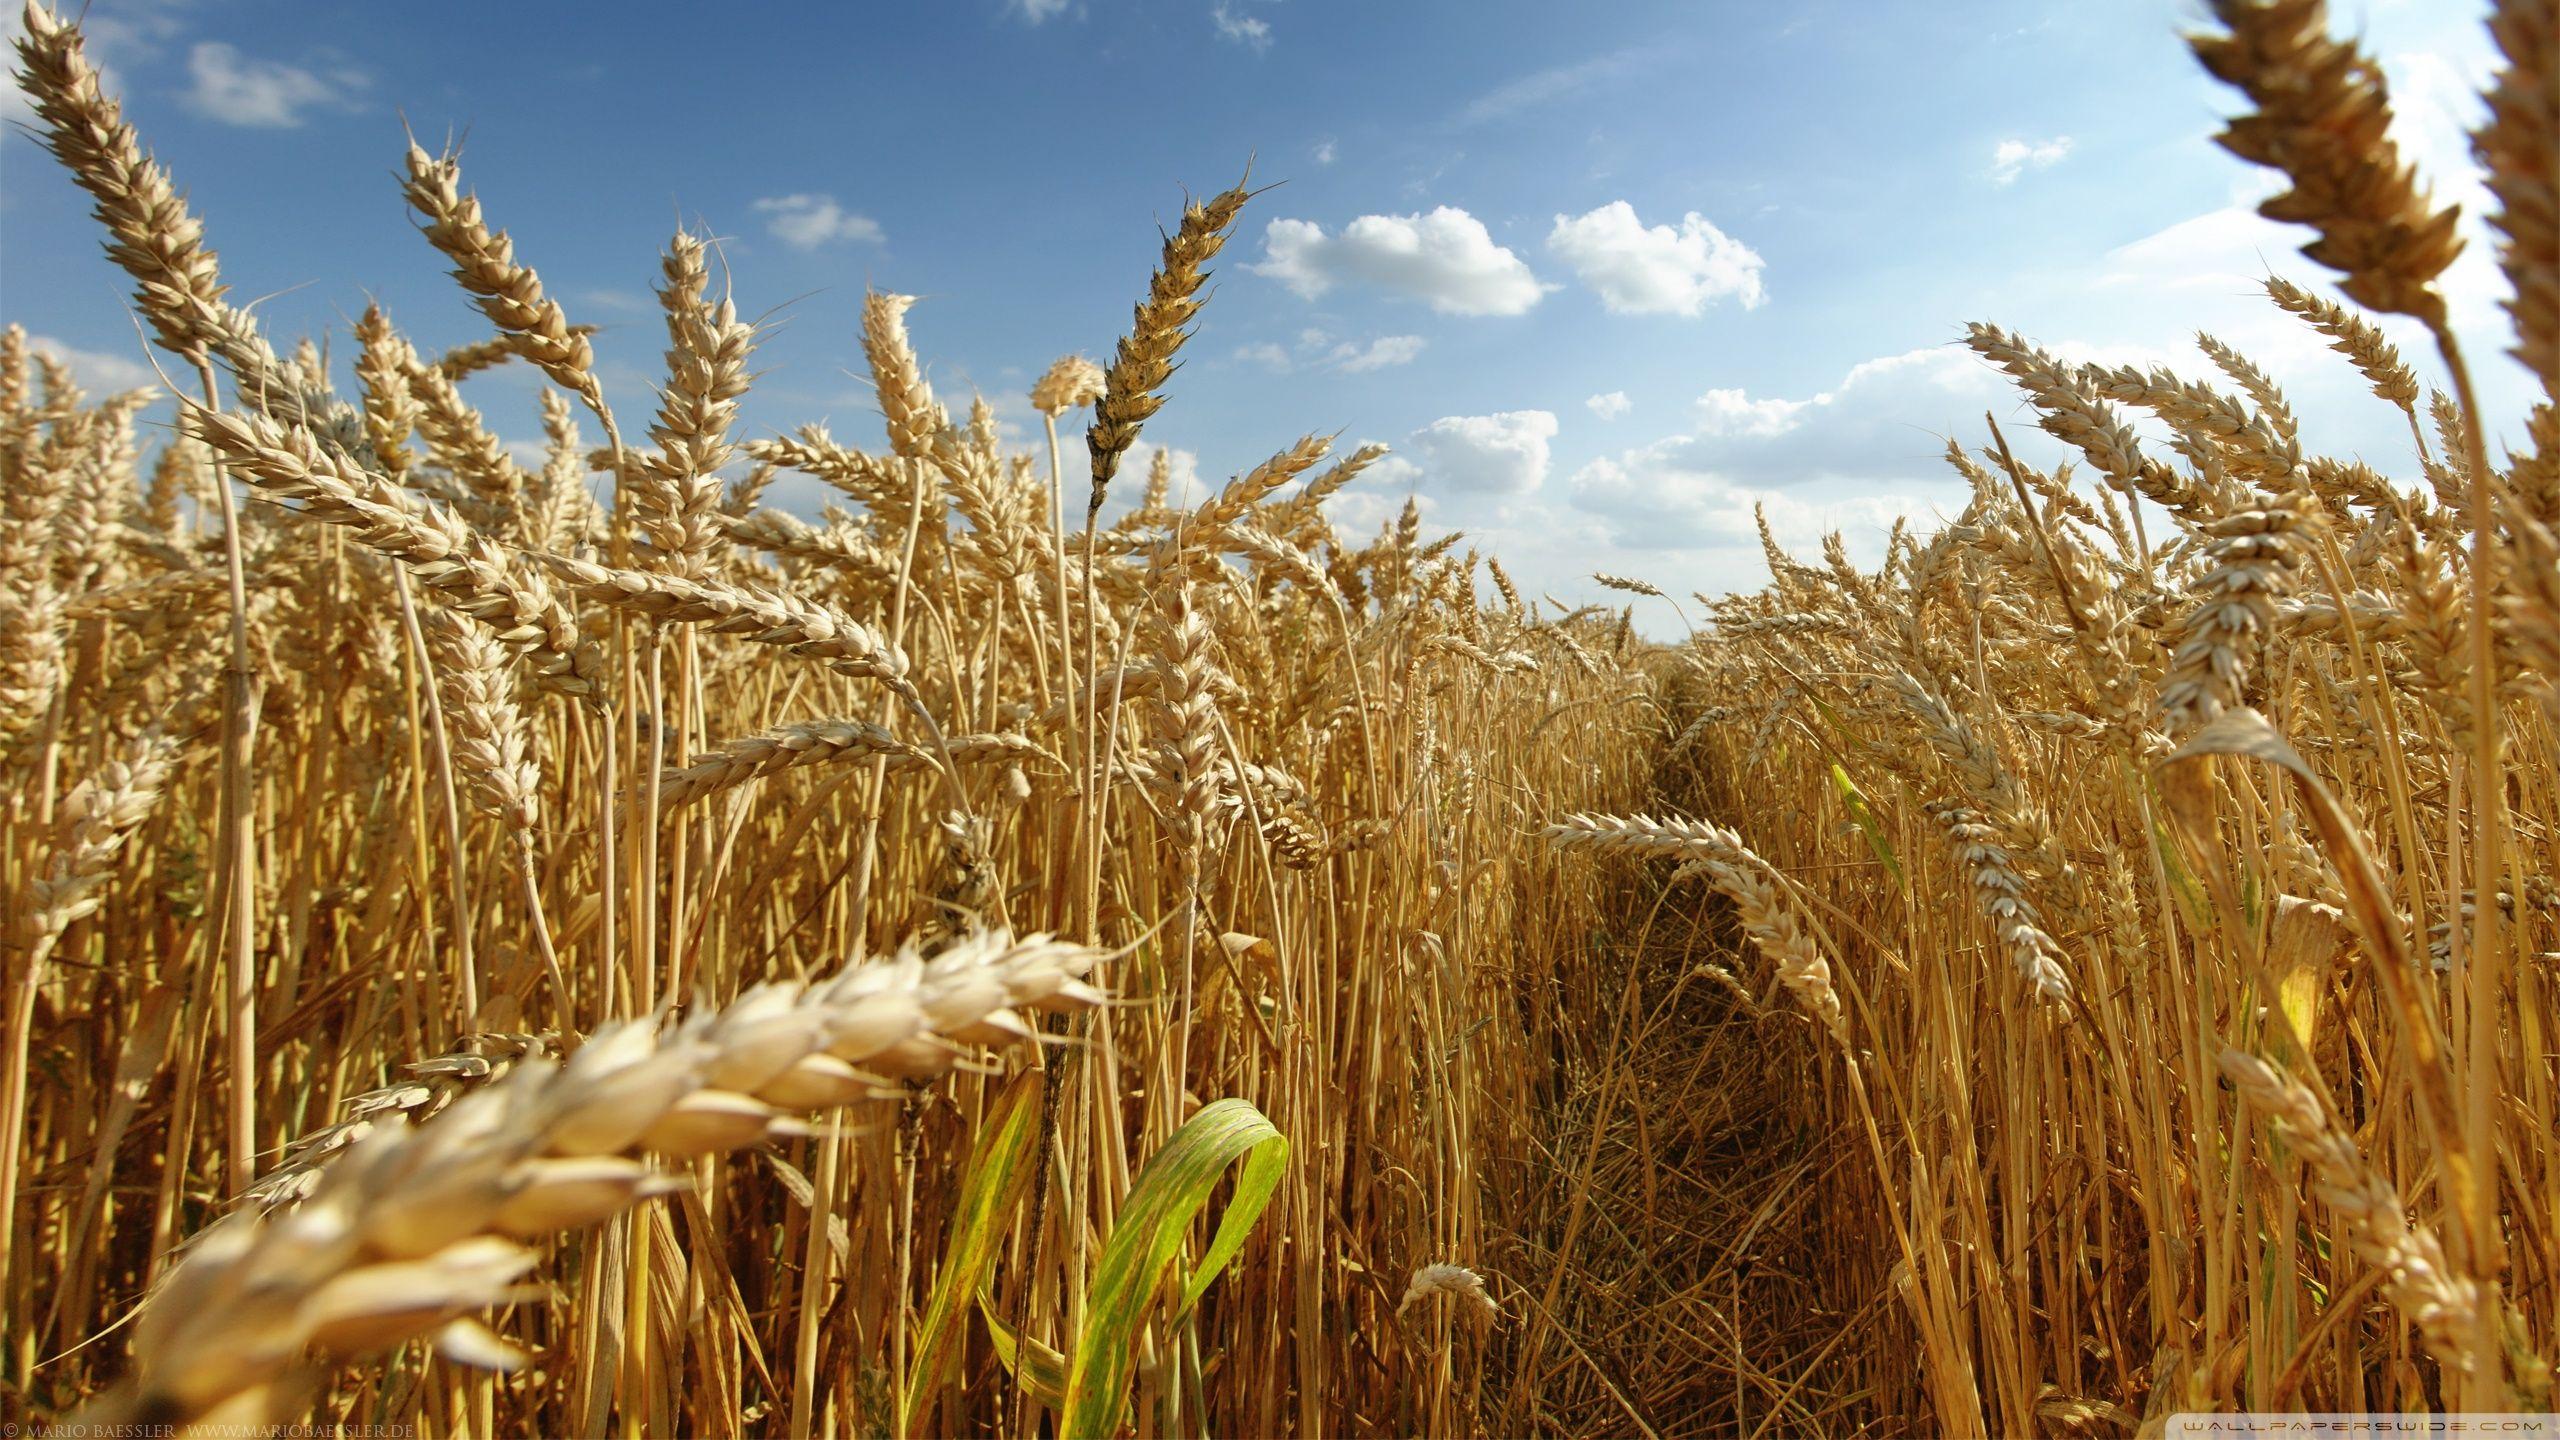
[(1173, 1189)]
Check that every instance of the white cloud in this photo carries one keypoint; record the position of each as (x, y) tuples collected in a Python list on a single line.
[(1378, 354), (125, 34), (2012, 158), (1491, 455), (1240, 29), (1035, 11), (1732, 412), (238, 90), (98, 372), (1656, 270), (2220, 251), (529, 453), (807, 222), (1446, 258), (1186, 489), (1324, 152), (1360, 513), (15, 107), (1318, 350), (1393, 472), (1885, 420), (1612, 406), (1129, 485), (1853, 458), (1658, 498)]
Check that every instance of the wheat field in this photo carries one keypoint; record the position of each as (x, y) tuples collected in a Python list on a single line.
[(573, 948)]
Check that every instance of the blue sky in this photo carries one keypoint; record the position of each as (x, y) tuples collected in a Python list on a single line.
[(1603, 275)]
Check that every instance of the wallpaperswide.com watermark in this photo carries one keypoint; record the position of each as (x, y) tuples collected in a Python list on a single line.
[(2354, 1425), (157, 1431)]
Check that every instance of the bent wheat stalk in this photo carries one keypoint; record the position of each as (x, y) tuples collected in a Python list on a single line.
[(828, 742), (1745, 879), (413, 1227)]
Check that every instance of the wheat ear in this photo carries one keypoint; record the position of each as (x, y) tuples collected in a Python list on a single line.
[(707, 350), (917, 422), (413, 1227), (474, 575), (2323, 117), (2520, 148), (828, 742), (1746, 880), (484, 261), (157, 239), (2253, 554), (768, 617), (2355, 337), (2415, 1274), (99, 815), (1133, 385), (1070, 381)]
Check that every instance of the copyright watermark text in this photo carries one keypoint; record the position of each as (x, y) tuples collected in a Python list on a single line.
[(2353, 1425), (300, 1431)]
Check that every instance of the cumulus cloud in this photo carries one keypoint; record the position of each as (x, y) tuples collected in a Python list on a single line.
[(1657, 270), (1238, 29), (15, 107), (99, 372), (629, 302), (1611, 406), (1324, 152), (810, 222), (1130, 484), (1733, 412), (237, 89), (1265, 354), (1660, 498), (1394, 472), (1486, 455), (2012, 158), (1446, 258), (1360, 513), (2218, 251), (118, 36), (1186, 489), (1885, 419), (1035, 11), (1851, 458)]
